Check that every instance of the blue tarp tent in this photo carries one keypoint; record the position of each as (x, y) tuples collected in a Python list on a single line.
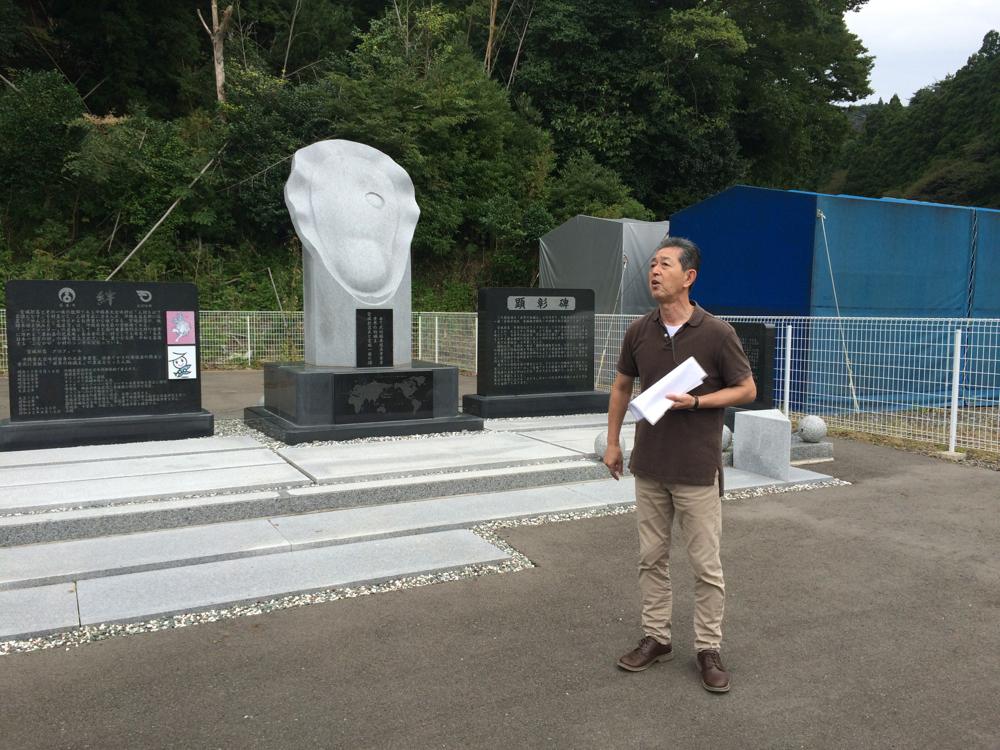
[(773, 252), (890, 257)]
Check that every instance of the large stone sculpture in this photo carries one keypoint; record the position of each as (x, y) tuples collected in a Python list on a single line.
[(355, 212)]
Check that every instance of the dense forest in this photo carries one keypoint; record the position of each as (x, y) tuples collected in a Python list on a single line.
[(509, 115), (943, 146)]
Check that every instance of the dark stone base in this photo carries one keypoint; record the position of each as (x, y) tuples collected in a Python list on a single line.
[(305, 402), (259, 418), (536, 404), (61, 433)]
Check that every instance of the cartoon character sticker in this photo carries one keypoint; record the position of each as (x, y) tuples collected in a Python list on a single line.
[(180, 327), (182, 362)]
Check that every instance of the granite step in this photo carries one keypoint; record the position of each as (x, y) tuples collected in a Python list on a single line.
[(36, 565), (36, 611), (130, 517), (33, 481)]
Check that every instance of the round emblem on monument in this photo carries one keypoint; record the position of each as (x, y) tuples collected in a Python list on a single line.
[(66, 295)]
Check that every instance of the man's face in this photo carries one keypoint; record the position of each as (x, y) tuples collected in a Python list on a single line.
[(667, 280)]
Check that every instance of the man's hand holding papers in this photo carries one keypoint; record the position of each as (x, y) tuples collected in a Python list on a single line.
[(654, 402)]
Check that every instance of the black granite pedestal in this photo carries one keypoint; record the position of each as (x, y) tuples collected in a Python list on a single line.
[(536, 404), (305, 402), (59, 433)]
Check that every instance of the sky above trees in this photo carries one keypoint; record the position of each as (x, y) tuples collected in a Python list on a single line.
[(918, 42)]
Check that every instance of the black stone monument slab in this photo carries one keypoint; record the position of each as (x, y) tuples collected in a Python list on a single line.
[(373, 337), (96, 362), (758, 341), (305, 402), (535, 354)]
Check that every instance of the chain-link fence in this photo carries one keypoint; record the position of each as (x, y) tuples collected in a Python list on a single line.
[(446, 338), (241, 338), (934, 380)]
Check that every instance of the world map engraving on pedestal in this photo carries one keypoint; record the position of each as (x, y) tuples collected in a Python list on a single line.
[(373, 397)]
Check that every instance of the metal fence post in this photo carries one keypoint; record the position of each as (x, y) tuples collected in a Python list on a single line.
[(788, 370), (249, 348), (420, 336), (437, 338), (475, 344), (956, 366)]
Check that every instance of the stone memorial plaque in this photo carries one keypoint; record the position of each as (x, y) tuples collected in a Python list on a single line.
[(535, 341), (758, 340), (373, 334), (82, 349), (378, 397)]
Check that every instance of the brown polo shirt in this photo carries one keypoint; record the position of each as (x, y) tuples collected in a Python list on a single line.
[(683, 447)]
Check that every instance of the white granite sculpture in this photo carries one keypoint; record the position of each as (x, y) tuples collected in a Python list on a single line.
[(354, 210)]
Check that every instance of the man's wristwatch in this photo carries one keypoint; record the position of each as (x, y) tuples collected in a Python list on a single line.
[(696, 402)]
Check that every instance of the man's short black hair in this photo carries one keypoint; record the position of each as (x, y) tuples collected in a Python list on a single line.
[(690, 254)]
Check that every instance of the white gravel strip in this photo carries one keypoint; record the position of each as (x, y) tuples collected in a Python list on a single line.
[(488, 531)]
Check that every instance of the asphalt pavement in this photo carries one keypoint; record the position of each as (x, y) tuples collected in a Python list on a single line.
[(857, 617)]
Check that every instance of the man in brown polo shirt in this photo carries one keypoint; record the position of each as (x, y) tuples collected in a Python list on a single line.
[(677, 462)]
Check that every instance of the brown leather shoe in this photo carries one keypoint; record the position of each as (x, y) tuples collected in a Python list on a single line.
[(714, 676), (646, 654)]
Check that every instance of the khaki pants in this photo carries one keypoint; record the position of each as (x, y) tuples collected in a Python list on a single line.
[(699, 513)]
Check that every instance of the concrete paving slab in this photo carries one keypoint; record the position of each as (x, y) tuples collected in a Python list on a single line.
[(607, 491), (59, 494), (327, 463), (738, 479), (469, 476), (120, 451), (57, 562), (137, 596), (37, 611), (580, 439), (312, 529), (525, 424), (136, 467)]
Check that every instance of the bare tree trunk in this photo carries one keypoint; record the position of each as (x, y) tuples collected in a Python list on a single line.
[(488, 57), (10, 84), (520, 44), (218, 36), (291, 35)]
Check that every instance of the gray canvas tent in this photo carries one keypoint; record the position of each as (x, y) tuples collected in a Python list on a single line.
[(606, 255)]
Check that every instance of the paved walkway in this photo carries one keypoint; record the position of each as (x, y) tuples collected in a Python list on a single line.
[(857, 617), (860, 616), (96, 535)]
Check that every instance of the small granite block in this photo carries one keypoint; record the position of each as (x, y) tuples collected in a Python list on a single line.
[(762, 443), (37, 611), (803, 452)]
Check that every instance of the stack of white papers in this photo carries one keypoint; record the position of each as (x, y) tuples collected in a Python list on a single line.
[(653, 403)]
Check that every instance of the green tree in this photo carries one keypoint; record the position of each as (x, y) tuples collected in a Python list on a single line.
[(944, 146)]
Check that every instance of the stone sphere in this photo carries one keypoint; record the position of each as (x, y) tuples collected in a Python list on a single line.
[(812, 429), (727, 438), (601, 444)]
